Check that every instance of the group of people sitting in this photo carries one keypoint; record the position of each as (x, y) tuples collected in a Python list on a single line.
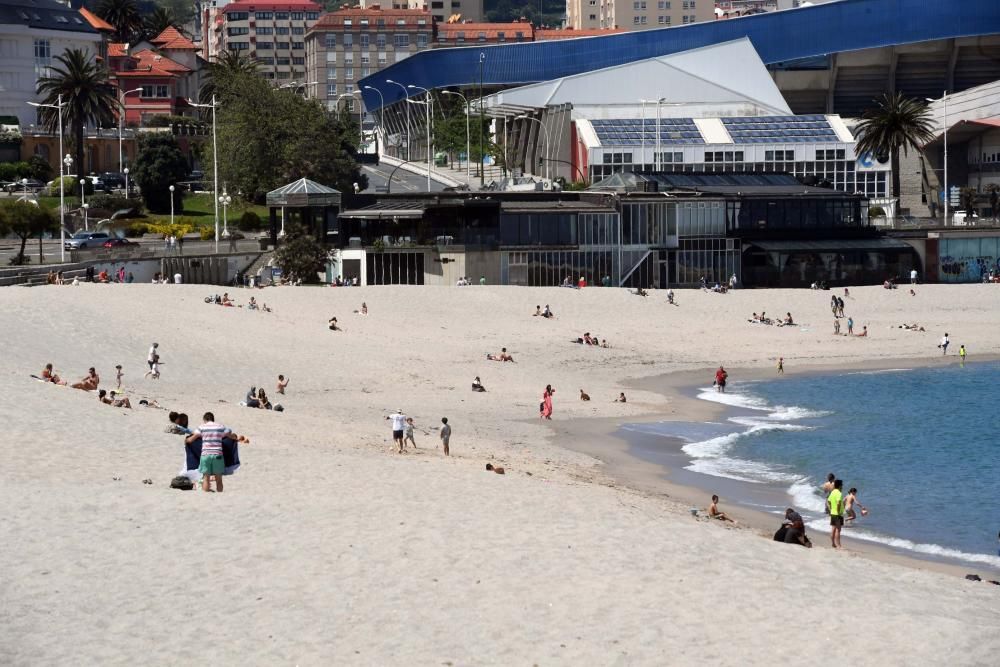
[(503, 356), (547, 313), (786, 321), (89, 382), (591, 340), (224, 300), (257, 398)]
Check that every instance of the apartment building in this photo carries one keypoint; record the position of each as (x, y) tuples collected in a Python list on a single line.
[(273, 33), (469, 11), (464, 34), (637, 14), (349, 44)]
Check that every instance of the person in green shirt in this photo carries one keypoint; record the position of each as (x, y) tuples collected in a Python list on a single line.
[(835, 508)]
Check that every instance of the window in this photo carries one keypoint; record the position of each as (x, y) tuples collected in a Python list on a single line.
[(402, 41), (284, 75), (281, 16), (593, 17), (348, 40), (422, 40), (284, 61), (331, 73), (365, 59), (43, 51), (238, 46), (331, 90), (400, 21), (281, 31), (435, 4), (264, 16), (298, 31), (635, 20), (266, 61), (238, 16), (298, 60), (380, 22), (363, 21), (312, 16), (298, 16), (331, 56), (685, 20), (155, 91), (421, 21), (381, 60), (348, 72), (642, 20), (298, 46), (380, 41), (264, 31), (265, 46), (331, 40), (519, 36), (501, 37), (366, 71), (460, 36), (348, 22), (663, 4), (481, 36), (363, 39), (233, 32), (348, 58), (282, 45)]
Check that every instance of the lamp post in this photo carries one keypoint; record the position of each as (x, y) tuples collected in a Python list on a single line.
[(547, 142), (24, 182), (83, 191), (427, 105), (468, 136), (405, 97), (121, 122), (482, 167), (225, 200), (86, 225), (643, 153), (215, 164), (125, 171), (381, 109), (430, 99), (62, 201), (171, 207)]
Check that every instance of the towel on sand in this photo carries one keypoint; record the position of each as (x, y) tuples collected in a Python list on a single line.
[(192, 453)]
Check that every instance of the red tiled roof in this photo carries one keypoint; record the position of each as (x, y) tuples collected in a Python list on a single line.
[(336, 19), (149, 63), (542, 34), (95, 21), (117, 50), (172, 38), (281, 5), (449, 31)]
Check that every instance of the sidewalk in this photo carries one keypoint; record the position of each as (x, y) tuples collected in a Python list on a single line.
[(452, 177)]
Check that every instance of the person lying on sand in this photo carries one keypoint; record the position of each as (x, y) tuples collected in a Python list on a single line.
[(88, 383), (713, 511), (497, 469), (333, 325), (503, 356), (477, 385), (226, 301), (864, 332), (50, 376), (118, 403)]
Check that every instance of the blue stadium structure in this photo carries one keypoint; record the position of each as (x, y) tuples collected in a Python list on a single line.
[(807, 43)]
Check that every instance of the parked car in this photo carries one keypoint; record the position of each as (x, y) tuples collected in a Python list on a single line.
[(34, 185), (119, 243), (112, 180), (82, 240)]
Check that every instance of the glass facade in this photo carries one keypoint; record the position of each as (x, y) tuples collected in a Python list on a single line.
[(801, 268), (967, 260), (649, 224), (785, 213), (566, 229), (537, 268)]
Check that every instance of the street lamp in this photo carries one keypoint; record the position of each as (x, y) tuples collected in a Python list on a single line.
[(405, 97), (171, 207), (24, 182), (86, 226), (468, 142), (427, 105), (121, 122), (947, 195), (547, 142), (125, 170), (62, 203), (83, 191), (225, 200), (656, 158), (215, 164), (381, 109)]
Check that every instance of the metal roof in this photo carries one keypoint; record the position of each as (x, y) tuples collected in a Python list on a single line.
[(44, 15), (303, 192), (848, 25)]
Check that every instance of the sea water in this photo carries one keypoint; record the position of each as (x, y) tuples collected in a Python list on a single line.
[(920, 445)]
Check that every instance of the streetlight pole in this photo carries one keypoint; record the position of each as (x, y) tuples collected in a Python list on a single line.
[(381, 109), (468, 136), (430, 99), (171, 207), (215, 165), (547, 142), (643, 153), (427, 105), (406, 96), (62, 198), (86, 225), (125, 171), (121, 122), (225, 200), (482, 166)]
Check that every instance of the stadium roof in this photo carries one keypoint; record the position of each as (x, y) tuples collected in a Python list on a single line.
[(848, 25)]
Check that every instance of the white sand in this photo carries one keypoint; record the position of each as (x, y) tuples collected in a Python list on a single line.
[(327, 548)]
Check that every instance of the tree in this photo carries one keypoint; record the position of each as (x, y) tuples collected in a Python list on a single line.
[(87, 95), (227, 66), (39, 167), (159, 164), (25, 219), (896, 122), (159, 20), (300, 255), (124, 17)]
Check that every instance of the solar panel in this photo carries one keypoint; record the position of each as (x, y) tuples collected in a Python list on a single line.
[(635, 132), (779, 129)]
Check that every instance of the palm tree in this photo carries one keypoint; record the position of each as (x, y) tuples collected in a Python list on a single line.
[(225, 65), (124, 16), (896, 122), (161, 19), (88, 97)]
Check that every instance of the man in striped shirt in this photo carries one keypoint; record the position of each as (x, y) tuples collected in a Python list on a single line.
[(212, 463)]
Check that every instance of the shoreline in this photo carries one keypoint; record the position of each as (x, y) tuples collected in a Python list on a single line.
[(601, 438)]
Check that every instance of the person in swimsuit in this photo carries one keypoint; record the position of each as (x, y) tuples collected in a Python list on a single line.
[(720, 380), (713, 511), (852, 500), (90, 382), (282, 383), (50, 376)]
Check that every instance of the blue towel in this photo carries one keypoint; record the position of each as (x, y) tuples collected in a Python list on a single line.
[(230, 455)]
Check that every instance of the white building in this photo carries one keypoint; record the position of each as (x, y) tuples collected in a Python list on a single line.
[(32, 34)]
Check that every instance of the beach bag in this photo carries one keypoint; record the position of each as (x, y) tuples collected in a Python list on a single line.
[(181, 482)]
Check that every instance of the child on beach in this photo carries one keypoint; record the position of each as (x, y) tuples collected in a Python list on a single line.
[(445, 436), (713, 511), (944, 344), (408, 433), (118, 376), (852, 499)]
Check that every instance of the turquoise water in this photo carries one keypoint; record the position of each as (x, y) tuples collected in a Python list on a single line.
[(920, 445)]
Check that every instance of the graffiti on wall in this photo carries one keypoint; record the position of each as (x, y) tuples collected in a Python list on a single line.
[(967, 269)]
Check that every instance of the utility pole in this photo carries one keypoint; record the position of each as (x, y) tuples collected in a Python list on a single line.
[(482, 170)]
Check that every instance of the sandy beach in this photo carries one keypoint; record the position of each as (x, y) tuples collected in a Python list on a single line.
[(328, 547)]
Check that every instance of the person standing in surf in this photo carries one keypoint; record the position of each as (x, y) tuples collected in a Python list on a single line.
[(835, 508), (720, 380), (945, 342), (781, 365)]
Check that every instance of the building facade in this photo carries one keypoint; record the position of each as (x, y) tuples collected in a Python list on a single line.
[(350, 44), (470, 34), (443, 11), (32, 34), (272, 33), (636, 14)]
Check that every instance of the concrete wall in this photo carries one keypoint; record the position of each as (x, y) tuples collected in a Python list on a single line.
[(208, 269)]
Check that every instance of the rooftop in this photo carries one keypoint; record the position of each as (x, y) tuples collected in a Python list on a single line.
[(486, 30), (336, 19), (44, 15), (543, 34), (96, 21), (774, 184), (281, 5), (172, 38)]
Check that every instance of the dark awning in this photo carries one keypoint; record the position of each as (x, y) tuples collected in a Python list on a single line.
[(850, 245)]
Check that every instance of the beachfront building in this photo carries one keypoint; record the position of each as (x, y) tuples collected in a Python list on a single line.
[(272, 33), (636, 14)]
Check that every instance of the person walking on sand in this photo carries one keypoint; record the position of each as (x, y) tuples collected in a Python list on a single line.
[(212, 463), (781, 365), (720, 380), (282, 383), (944, 344), (545, 408), (398, 427), (445, 436), (151, 358), (835, 508), (408, 433)]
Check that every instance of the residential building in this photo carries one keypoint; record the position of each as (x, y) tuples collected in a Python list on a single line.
[(443, 11), (349, 44), (32, 34), (165, 83), (273, 33), (465, 34), (637, 14)]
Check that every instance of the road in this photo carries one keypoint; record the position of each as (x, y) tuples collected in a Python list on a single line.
[(402, 181), (50, 248)]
